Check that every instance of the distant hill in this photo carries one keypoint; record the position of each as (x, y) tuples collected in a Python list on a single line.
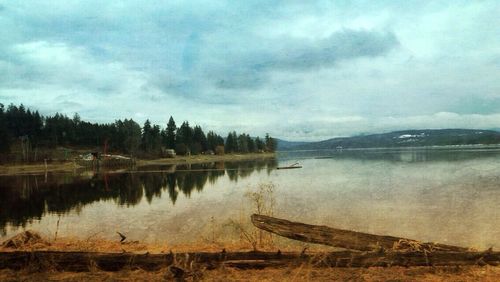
[(284, 145), (405, 138)]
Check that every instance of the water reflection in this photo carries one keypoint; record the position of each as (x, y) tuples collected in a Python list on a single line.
[(24, 198), (411, 155)]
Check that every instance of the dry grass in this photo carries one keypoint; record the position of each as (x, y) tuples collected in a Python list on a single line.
[(97, 244), (195, 159), (36, 168), (305, 273)]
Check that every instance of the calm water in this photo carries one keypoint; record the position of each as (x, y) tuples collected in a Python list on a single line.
[(445, 195)]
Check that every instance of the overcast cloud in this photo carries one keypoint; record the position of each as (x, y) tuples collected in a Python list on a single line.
[(298, 70)]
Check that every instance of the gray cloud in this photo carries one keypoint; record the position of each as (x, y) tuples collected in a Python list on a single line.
[(346, 44), (330, 68), (251, 70)]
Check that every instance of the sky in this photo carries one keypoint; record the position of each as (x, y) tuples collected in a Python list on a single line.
[(299, 70)]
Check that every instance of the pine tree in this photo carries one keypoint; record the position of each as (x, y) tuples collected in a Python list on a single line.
[(155, 139), (211, 140), (170, 133), (4, 135), (199, 140), (251, 144), (235, 142), (259, 144), (132, 133), (146, 144), (243, 143), (270, 143), (184, 139), (229, 143)]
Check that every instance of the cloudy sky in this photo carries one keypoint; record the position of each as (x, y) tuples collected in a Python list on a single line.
[(298, 70)]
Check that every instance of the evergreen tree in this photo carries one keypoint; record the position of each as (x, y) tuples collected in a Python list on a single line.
[(220, 140), (229, 143), (235, 141), (146, 143), (4, 135), (156, 139), (259, 144), (243, 143), (270, 143), (211, 140), (232, 143), (184, 138), (37, 127), (251, 144), (170, 133), (132, 133), (199, 140), (214, 140)]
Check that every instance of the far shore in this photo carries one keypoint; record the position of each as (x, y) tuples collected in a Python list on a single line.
[(70, 166)]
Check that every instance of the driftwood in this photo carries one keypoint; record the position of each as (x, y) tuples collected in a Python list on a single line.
[(386, 254), (87, 261), (295, 165), (25, 238), (344, 238), (288, 167)]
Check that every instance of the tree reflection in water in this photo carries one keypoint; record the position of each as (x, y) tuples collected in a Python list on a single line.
[(24, 198)]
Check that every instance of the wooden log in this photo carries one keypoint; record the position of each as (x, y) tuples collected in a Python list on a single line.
[(87, 261), (343, 238), (288, 167)]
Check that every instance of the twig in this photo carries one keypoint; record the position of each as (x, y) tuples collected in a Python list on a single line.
[(122, 236), (57, 228)]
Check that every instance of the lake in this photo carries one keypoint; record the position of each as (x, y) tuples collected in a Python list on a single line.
[(447, 195)]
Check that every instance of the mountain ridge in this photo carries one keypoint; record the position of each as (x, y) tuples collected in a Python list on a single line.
[(401, 138)]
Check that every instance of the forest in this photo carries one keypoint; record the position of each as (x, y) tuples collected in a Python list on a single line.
[(28, 130)]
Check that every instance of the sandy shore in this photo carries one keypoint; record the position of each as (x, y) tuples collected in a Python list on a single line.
[(70, 166)]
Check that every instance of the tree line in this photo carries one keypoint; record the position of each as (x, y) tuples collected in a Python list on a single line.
[(30, 129)]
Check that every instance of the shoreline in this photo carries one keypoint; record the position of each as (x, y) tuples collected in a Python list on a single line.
[(97, 260), (198, 159), (71, 166)]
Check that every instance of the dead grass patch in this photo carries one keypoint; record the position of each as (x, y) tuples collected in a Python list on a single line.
[(305, 273)]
